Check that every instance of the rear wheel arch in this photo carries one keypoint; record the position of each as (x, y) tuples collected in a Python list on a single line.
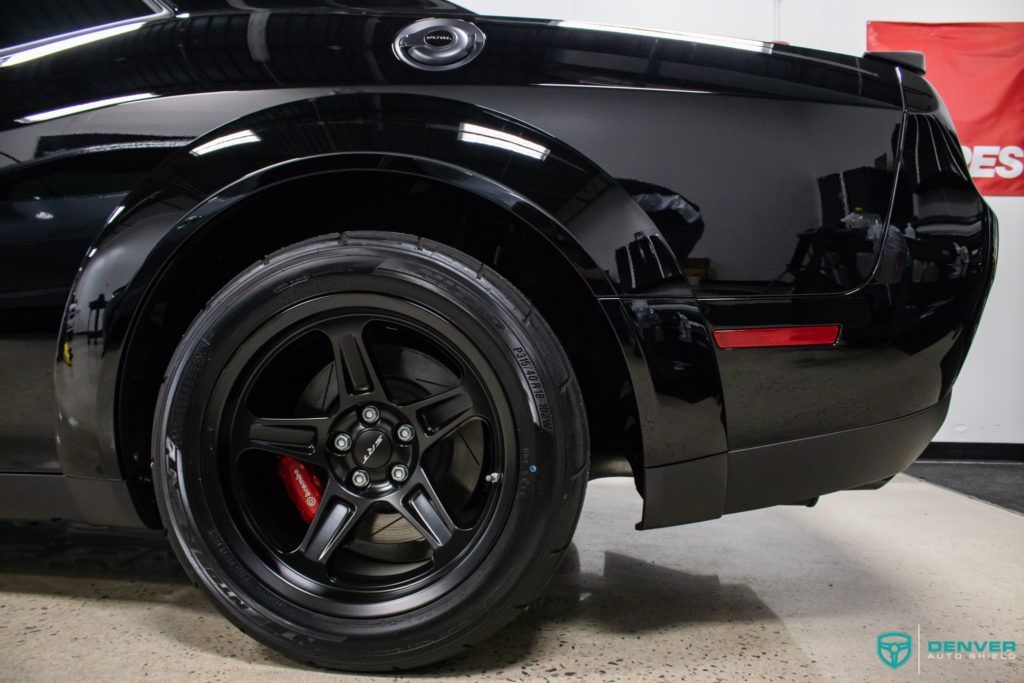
[(376, 197)]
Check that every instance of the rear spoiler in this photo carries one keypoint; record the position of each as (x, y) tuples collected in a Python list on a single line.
[(908, 60)]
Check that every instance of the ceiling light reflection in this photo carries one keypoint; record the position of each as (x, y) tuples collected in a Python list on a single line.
[(240, 138), (28, 54), (85, 106), (719, 41), (471, 132)]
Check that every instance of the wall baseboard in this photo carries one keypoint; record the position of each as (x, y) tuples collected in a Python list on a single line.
[(949, 450)]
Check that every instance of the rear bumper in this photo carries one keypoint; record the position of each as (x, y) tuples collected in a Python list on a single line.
[(786, 472)]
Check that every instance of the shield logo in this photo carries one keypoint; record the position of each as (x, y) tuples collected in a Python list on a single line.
[(894, 648)]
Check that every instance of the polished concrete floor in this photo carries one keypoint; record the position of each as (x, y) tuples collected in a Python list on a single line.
[(786, 594)]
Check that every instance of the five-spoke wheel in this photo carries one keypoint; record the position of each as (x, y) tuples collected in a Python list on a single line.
[(388, 432)]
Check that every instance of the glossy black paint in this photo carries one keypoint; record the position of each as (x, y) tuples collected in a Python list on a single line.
[(793, 472), (680, 357), (691, 184), (905, 333), (316, 135)]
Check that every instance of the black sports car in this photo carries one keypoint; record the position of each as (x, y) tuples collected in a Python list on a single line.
[(352, 297)]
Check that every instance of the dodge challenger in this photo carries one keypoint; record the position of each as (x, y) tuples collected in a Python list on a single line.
[(353, 297)]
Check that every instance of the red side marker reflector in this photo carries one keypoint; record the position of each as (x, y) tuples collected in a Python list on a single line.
[(760, 337)]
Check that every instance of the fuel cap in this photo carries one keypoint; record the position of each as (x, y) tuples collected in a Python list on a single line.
[(439, 44)]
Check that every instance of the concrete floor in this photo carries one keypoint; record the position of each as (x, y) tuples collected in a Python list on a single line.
[(783, 594)]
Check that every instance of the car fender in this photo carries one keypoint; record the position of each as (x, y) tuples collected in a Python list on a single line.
[(546, 184)]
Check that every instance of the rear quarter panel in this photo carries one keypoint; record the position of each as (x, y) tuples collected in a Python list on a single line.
[(743, 159)]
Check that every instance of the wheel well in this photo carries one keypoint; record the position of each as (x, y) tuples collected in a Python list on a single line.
[(375, 200)]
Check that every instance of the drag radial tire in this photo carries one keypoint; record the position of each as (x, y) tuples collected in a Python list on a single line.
[(423, 411)]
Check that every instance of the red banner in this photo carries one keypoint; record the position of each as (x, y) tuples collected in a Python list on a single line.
[(978, 69)]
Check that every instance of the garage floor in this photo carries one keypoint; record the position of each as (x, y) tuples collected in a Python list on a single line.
[(784, 594)]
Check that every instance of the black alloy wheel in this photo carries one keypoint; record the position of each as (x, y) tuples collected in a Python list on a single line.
[(406, 438), (370, 451)]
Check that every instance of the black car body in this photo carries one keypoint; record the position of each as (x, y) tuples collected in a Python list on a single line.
[(765, 263)]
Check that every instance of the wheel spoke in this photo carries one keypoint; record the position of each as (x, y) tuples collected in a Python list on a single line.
[(426, 513), (444, 414), (298, 437), (354, 370), (370, 449), (334, 520)]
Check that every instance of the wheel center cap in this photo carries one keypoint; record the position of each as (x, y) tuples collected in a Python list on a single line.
[(372, 449)]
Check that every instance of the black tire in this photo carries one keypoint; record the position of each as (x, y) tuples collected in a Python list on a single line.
[(533, 425)]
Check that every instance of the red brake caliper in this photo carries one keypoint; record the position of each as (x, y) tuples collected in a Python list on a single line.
[(302, 484)]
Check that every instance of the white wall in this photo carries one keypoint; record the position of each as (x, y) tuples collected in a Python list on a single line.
[(988, 402)]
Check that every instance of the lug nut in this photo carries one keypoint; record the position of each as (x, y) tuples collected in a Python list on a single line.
[(342, 442), (399, 473), (360, 479), (405, 433), (370, 414)]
